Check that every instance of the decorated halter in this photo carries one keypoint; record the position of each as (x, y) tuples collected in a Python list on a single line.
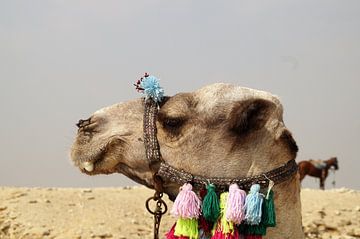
[(216, 208)]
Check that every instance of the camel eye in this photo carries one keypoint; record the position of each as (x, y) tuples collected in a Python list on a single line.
[(172, 123)]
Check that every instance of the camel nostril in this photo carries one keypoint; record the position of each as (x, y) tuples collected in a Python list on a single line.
[(79, 123), (82, 123)]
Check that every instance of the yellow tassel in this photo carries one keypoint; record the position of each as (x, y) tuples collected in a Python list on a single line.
[(227, 227), (223, 227), (187, 228)]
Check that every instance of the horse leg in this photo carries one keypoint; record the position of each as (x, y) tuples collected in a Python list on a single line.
[(322, 179), (322, 186), (325, 174)]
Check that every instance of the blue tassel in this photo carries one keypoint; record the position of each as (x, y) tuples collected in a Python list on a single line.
[(253, 205), (152, 88)]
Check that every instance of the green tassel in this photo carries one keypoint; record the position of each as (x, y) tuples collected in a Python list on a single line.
[(259, 230), (246, 229), (268, 216), (210, 206), (187, 228), (242, 228)]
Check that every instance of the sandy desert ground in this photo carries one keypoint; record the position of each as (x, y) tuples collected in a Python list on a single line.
[(120, 213)]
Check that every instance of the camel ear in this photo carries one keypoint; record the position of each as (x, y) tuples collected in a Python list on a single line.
[(250, 115), (287, 139)]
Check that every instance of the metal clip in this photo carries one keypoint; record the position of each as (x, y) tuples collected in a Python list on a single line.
[(271, 185)]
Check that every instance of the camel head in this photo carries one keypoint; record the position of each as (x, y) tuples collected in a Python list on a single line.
[(220, 130)]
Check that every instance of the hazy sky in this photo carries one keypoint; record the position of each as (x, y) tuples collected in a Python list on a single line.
[(62, 60)]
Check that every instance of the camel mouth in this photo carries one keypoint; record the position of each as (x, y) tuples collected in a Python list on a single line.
[(91, 167), (93, 161), (88, 163)]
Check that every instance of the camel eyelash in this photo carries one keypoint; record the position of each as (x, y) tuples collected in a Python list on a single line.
[(172, 125), (173, 122)]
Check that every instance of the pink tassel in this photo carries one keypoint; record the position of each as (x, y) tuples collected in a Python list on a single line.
[(187, 204), (170, 234), (235, 211)]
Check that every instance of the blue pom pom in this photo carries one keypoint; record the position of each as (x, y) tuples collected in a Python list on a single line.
[(152, 88)]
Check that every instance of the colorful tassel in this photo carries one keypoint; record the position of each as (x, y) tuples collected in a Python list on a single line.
[(150, 86), (258, 230), (170, 234), (210, 206), (204, 231), (253, 204), (187, 204), (221, 235), (269, 216), (205, 227), (235, 211), (203, 234), (187, 228), (224, 229)]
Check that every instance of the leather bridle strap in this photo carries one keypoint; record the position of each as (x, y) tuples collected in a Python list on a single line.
[(150, 134), (276, 175), (153, 156)]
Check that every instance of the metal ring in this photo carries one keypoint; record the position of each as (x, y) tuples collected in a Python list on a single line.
[(159, 203)]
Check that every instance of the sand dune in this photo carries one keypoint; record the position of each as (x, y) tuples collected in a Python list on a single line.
[(120, 213)]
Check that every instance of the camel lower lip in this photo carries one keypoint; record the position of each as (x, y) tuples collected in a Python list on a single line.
[(88, 166)]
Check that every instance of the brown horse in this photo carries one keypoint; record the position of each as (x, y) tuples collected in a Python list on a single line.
[(320, 171)]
